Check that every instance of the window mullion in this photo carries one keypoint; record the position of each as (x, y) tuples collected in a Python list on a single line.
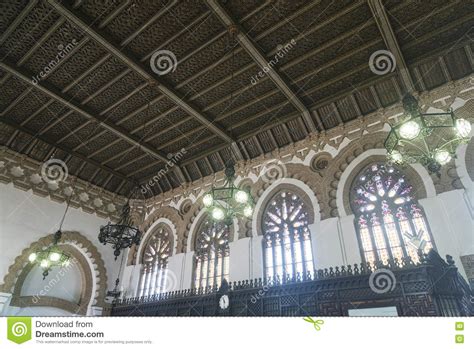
[(208, 265), (282, 247), (303, 253), (163, 273), (372, 239), (400, 236), (216, 258), (273, 239), (147, 280), (141, 284), (223, 263), (388, 246), (292, 243), (154, 277)]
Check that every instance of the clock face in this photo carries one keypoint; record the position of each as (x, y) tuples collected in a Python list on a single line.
[(224, 302)]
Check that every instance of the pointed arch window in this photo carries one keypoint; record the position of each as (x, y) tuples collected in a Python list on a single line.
[(153, 279), (389, 221), (287, 240), (212, 255)]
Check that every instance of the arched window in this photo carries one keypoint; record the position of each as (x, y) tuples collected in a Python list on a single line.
[(389, 221), (212, 254), (155, 255), (287, 241)]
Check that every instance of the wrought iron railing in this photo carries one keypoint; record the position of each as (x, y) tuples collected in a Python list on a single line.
[(430, 287)]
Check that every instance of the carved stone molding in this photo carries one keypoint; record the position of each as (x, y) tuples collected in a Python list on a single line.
[(73, 242), (470, 160), (43, 300), (164, 212), (25, 174)]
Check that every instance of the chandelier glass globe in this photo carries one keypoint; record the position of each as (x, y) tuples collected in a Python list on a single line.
[(54, 257), (410, 130), (50, 257), (218, 214), (395, 156), (463, 127), (430, 139), (248, 210), (207, 200), (241, 197), (228, 201), (442, 157)]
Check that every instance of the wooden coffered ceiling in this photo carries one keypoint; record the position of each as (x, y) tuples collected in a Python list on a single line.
[(115, 122)]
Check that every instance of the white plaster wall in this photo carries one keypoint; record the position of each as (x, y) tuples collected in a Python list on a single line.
[(187, 273), (65, 284), (451, 225), (26, 217), (129, 280), (256, 257), (239, 267), (176, 265), (350, 245), (326, 244)]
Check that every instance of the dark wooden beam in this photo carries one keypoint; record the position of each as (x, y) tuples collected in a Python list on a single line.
[(262, 61), (66, 150), (380, 15), (104, 41), (58, 96)]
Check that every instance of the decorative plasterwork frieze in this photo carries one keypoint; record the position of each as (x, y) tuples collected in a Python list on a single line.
[(25, 174), (458, 94), (317, 161)]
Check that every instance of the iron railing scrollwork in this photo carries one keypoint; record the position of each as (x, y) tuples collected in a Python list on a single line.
[(430, 287)]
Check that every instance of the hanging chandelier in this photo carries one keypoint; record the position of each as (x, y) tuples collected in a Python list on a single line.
[(121, 235), (427, 138), (50, 257), (226, 202)]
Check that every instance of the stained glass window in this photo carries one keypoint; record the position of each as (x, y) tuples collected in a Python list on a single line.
[(157, 249), (212, 255), (287, 241), (389, 221)]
